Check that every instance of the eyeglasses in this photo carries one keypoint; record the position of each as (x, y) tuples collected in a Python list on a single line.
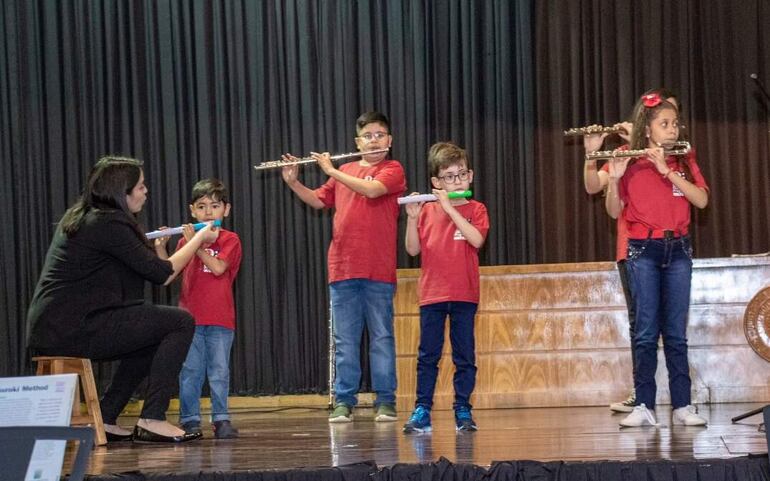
[(452, 178), (369, 136)]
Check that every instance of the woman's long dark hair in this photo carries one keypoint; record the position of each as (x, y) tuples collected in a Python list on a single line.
[(110, 180)]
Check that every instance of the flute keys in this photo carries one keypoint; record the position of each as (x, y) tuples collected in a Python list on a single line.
[(593, 129)]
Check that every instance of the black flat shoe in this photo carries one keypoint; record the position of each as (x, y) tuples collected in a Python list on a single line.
[(116, 438), (142, 435)]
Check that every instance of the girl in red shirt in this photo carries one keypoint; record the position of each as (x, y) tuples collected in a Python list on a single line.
[(654, 193)]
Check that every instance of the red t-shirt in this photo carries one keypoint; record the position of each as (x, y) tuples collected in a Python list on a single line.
[(449, 264), (621, 246), (207, 297), (652, 202), (364, 238)]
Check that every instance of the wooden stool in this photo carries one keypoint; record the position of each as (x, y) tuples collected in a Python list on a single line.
[(48, 365)]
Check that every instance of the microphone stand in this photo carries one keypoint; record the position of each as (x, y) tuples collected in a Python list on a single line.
[(766, 96), (761, 86), (749, 414)]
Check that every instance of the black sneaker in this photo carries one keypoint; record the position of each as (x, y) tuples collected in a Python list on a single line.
[(463, 419), (224, 430), (192, 427)]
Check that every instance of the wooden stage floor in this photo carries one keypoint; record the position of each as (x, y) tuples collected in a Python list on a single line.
[(303, 438)]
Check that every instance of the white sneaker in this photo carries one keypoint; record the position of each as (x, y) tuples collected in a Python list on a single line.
[(640, 416), (625, 406), (688, 416)]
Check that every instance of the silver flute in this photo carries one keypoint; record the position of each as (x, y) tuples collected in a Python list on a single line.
[(593, 129), (274, 164), (675, 148)]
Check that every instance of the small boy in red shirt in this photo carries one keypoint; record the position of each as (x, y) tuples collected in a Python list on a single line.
[(207, 293), (448, 235)]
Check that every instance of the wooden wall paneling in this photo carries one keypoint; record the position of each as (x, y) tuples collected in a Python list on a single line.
[(557, 335)]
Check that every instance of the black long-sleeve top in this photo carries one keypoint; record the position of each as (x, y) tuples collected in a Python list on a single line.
[(103, 265)]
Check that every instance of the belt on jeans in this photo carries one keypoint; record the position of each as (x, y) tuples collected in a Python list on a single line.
[(639, 231), (666, 233)]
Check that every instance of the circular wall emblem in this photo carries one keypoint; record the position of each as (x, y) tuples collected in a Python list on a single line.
[(756, 323)]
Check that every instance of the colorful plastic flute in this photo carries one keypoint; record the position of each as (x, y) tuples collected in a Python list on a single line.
[(431, 197), (178, 230)]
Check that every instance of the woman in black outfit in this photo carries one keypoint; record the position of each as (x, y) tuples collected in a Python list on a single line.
[(89, 301)]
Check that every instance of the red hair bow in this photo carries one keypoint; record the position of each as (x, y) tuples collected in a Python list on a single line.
[(651, 100)]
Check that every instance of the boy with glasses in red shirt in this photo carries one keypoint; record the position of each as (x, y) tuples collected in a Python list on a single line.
[(448, 235), (362, 262)]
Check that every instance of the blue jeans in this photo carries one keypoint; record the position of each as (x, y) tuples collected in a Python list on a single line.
[(461, 334), (357, 303), (209, 355), (660, 271)]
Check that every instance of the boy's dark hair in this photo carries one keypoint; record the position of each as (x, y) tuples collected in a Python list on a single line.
[(213, 188), (367, 118), (444, 154), (111, 179)]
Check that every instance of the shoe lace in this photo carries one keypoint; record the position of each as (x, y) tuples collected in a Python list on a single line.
[(688, 412), (419, 413), (463, 414), (647, 414)]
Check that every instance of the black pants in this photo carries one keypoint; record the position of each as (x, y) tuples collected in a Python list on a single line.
[(623, 271), (150, 342)]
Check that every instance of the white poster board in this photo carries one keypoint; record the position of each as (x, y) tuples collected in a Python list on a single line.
[(39, 401)]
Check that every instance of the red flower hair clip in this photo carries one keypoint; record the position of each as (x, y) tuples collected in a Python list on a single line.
[(651, 100)]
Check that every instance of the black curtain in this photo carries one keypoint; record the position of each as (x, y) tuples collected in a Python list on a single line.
[(210, 88), (594, 58), (736, 469)]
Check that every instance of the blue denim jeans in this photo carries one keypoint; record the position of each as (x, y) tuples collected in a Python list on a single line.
[(357, 303), (209, 355), (660, 271), (461, 334)]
